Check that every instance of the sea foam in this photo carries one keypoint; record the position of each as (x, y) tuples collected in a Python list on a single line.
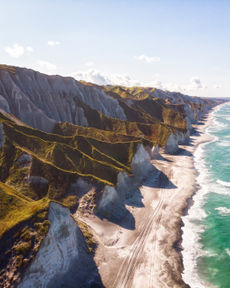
[(192, 248), (223, 210), (224, 183)]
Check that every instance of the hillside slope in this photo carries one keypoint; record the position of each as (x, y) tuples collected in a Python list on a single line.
[(78, 145)]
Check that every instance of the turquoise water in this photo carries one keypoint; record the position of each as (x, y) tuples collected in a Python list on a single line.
[(207, 226), (215, 239)]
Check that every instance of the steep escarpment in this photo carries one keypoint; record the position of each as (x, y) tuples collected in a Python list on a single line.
[(70, 146), (62, 252)]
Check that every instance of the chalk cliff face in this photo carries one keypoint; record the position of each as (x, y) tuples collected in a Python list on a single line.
[(62, 252), (73, 146), (112, 200), (141, 165), (40, 100)]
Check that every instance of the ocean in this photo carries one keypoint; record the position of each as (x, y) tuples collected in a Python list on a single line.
[(206, 231)]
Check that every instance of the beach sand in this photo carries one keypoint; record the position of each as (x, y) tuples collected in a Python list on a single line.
[(147, 253)]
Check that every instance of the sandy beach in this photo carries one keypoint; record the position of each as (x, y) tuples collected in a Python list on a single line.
[(147, 253)]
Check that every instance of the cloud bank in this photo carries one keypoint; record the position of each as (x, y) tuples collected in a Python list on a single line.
[(47, 65), (53, 43), (17, 51), (148, 59), (97, 77)]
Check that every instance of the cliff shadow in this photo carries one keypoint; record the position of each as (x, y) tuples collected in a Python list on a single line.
[(183, 152), (136, 199), (159, 181), (161, 158), (118, 214)]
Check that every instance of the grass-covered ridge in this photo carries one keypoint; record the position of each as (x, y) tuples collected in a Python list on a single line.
[(38, 167), (77, 155), (8, 68), (148, 107), (15, 207)]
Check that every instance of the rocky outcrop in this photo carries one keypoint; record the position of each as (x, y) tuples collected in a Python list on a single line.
[(153, 152), (183, 138), (111, 204), (175, 139), (141, 165), (171, 146), (63, 257)]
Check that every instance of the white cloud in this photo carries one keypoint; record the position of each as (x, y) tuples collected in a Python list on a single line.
[(100, 78), (147, 58), (193, 86), (217, 86), (196, 83), (53, 43), (15, 50), (47, 65), (29, 49), (89, 64)]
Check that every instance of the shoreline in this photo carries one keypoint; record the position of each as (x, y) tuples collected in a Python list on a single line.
[(190, 275), (190, 200), (149, 255)]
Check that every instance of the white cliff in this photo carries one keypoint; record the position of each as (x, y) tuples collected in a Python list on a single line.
[(153, 152), (112, 200), (141, 164), (171, 146), (60, 255), (40, 100)]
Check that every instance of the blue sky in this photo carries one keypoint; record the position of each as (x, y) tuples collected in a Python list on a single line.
[(176, 45)]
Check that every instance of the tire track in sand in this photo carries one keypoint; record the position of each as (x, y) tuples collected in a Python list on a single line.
[(124, 275)]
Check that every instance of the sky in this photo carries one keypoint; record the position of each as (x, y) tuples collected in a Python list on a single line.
[(175, 45)]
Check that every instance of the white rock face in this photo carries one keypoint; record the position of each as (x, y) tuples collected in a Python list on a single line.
[(182, 137), (59, 247), (177, 98), (80, 118), (125, 185), (141, 165), (40, 100), (4, 104), (112, 199), (80, 187), (111, 204), (153, 152), (174, 140), (61, 255), (110, 196), (171, 146)]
